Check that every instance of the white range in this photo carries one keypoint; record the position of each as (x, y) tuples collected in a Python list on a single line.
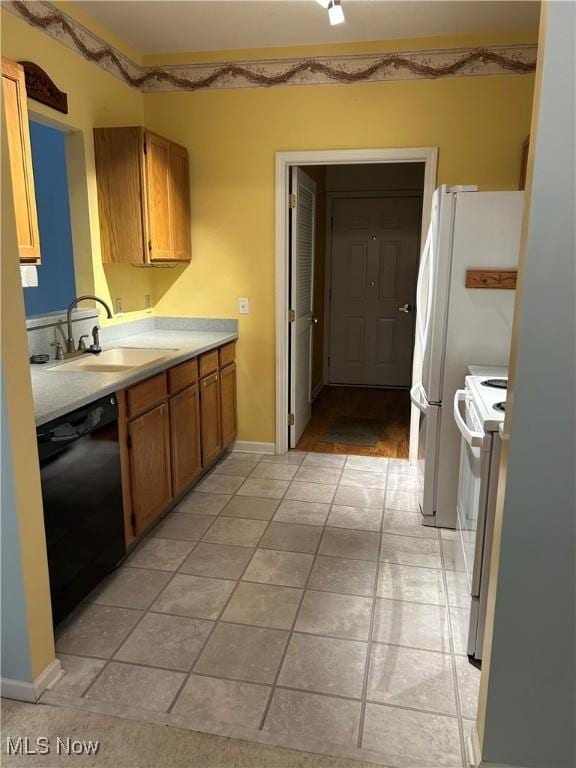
[(479, 410)]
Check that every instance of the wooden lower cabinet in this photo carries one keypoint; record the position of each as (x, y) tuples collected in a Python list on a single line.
[(185, 437), (150, 480), (171, 427), (228, 409), (210, 418)]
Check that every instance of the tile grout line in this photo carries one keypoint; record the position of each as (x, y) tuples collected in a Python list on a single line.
[(239, 580), (218, 620), (145, 612), (463, 756), (365, 682), (365, 699), (294, 621)]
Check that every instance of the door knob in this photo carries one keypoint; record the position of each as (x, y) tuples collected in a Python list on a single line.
[(315, 320), (406, 308)]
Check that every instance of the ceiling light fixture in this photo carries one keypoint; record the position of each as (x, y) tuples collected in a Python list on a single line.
[(335, 12)]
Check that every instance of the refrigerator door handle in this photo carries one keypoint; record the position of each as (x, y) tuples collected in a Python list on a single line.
[(474, 439), (425, 255), (416, 395)]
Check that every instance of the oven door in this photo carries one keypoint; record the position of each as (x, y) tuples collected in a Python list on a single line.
[(472, 486)]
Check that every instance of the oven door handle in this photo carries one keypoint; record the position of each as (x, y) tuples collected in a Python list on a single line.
[(474, 439)]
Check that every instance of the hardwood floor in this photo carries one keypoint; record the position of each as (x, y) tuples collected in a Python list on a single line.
[(389, 405)]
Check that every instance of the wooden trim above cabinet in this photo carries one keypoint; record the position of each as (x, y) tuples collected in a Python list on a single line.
[(40, 87)]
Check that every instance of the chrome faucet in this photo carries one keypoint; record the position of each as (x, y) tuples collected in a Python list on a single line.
[(70, 345)]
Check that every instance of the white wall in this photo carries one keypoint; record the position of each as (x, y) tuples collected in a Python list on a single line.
[(527, 704)]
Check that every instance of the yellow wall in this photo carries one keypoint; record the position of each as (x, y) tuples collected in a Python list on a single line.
[(95, 98), (478, 123), (17, 393)]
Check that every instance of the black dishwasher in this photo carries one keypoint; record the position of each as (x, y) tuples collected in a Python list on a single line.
[(82, 495)]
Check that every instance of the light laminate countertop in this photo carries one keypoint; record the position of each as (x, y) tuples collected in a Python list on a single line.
[(57, 393)]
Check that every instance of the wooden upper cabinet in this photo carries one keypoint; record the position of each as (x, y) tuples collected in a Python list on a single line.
[(119, 175), (18, 134), (143, 197), (180, 203), (158, 193)]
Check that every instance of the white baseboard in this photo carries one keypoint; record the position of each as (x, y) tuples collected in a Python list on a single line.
[(317, 389), (22, 690), (248, 446)]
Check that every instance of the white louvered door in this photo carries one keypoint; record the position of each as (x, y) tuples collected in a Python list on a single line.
[(302, 235)]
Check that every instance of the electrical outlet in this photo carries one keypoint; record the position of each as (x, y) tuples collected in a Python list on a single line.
[(243, 306), (148, 302), (118, 307)]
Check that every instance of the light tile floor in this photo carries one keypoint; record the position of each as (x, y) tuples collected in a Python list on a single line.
[(290, 600)]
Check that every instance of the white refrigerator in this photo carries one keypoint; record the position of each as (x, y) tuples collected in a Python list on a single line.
[(458, 326)]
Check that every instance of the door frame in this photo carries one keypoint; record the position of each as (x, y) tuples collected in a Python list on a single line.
[(284, 161), (331, 197)]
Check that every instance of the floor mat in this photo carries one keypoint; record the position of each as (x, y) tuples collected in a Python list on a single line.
[(354, 431)]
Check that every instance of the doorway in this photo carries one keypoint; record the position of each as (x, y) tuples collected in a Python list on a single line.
[(351, 267)]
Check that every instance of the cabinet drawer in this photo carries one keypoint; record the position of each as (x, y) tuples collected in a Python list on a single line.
[(146, 395), (208, 363), (182, 376), (227, 354)]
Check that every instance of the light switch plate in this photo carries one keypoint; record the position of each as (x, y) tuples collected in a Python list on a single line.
[(118, 306), (148, 302), (243, 306)]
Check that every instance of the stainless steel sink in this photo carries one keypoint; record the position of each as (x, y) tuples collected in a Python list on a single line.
[(118, 359)]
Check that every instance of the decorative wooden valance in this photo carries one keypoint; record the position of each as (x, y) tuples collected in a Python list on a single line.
[(41, 87), (502, 279)]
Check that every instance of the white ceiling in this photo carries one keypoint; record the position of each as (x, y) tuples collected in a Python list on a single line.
[(165, 26)]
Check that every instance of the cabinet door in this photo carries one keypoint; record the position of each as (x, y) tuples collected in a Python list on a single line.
[(119, 161), (228, 416), (185, 437), (180, 203), (18, 134), (149, 445), (210, 418), (158, 197)]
